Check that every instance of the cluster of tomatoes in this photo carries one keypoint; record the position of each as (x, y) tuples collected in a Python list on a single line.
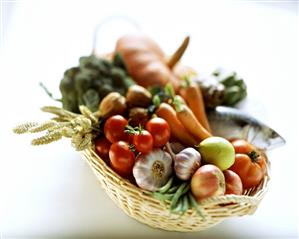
[(121, 142)]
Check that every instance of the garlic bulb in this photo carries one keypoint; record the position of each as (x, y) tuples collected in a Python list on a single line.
[(151, 171), (186, 163)]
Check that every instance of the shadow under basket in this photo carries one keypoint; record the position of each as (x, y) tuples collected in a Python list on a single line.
[(138, 204)]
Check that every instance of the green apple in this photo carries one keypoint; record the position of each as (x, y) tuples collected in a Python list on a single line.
[(217, 151)]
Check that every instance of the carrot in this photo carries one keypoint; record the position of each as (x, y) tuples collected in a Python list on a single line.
[(193, 96), (178, 131), (180, 99), (189, 121)]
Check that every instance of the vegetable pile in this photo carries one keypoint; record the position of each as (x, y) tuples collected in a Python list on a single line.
[(144, 114)]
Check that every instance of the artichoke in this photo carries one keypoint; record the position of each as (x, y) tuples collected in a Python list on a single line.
[(91, 81), (222, 88)]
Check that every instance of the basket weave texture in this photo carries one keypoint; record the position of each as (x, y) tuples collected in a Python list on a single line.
[(139, 205)]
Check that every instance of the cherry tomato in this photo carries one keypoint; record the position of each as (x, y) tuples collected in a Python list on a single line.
[(102, 146), (114, 128), (160, 131), (122, 159), (250, 163), (143, 142)]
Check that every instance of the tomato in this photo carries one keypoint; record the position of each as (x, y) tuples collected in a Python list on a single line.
[(160, 131), (102, 146), (250, 163), (143, 142), (242, 146), (114, 128), (122, 159)]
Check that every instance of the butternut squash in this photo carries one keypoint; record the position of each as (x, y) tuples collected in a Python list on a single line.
[(147, 63)]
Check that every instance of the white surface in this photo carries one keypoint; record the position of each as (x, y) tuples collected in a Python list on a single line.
[(50, 192)]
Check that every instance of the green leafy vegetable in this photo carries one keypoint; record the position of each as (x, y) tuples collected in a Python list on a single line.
[(91, 81), (235, 88), (222, 88)]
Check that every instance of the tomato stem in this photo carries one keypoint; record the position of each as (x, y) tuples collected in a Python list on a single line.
[(134, 131), (253, 156), (132, 147)]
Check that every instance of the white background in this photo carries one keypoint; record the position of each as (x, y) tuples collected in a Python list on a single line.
[(49, 191)]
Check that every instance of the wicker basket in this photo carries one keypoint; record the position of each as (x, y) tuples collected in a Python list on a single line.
[(136, 203)]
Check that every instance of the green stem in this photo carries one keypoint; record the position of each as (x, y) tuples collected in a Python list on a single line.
[(48, 92)]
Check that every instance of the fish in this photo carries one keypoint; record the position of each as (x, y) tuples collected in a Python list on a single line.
[(230, 122)]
